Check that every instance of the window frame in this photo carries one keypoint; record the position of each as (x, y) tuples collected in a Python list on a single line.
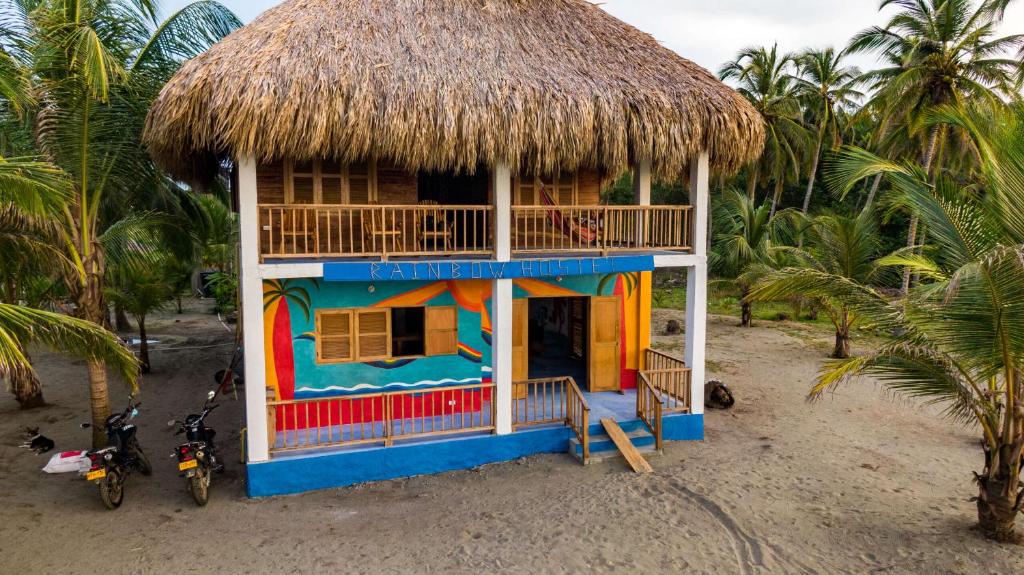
[(318, 182), (556, 182), (354, 336)]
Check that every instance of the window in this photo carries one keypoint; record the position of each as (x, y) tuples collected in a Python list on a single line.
[(562, 190), (329, 182), (371, 334)]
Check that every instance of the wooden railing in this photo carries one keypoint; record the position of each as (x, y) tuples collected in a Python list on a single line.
[(649, 403), (555, 400), (302, 231), (544, 229), (670, 377), (379, 417)]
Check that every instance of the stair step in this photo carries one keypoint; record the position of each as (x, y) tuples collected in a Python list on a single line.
[(627, 426), (633, 457), (647, 451), (601, 442)]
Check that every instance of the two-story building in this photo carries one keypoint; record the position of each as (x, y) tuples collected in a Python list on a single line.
[(430, 278)]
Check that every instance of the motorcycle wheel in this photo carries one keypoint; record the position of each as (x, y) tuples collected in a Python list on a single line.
[(112, 489), (145, 467), (199, 486)]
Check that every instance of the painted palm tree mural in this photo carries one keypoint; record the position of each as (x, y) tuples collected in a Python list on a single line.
[(278, 298)]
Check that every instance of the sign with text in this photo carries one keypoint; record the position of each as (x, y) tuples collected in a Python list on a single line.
[(483, 270)]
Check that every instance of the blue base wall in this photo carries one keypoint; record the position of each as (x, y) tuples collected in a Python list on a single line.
[(300, 473)]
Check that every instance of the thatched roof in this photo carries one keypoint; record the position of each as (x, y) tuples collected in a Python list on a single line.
[(544, 85)]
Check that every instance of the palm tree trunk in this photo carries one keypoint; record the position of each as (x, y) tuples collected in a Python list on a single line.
[(1000, 498), (926, 163), (814, 171), (776, 197), (753, 175), (26, 387), (121, 320), (842, 347), (99, 402), (874, 190), (143, 344)]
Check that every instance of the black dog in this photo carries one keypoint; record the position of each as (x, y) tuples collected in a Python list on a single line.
[(36, 442), (717, 395)]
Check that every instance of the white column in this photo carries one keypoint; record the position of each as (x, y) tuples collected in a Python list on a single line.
[(697, 282), (252, 313), (642, 183), (501, 302)]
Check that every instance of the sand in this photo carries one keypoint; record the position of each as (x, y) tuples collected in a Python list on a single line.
[(856, 483)]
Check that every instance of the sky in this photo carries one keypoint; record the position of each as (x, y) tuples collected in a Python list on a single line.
[(710, 32)]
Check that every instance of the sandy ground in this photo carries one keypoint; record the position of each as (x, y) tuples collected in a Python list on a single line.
[(853, 484)]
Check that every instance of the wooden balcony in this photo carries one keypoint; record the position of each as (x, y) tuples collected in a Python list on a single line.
[(601, 229), (334, 231)]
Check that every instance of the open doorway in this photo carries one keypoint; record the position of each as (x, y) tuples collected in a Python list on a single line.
[(558, 346)]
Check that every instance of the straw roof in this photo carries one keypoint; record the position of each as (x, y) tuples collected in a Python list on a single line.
[(544, 85)]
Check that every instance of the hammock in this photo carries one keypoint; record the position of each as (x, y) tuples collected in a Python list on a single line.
[(583, 231)]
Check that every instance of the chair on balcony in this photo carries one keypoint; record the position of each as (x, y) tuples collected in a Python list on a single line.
[(432, 227), (383, 232)]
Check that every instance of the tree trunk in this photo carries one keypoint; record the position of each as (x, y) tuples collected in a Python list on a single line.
[(753, 176), (179, 304), (874, 190), (999, 494), (779, 184), (842, 348), (121, 320), (143, 344), (926, 163), (26, 387), (746, 314), (99, 402), (814, 171)]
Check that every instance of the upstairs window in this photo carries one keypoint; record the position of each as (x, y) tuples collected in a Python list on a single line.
[(561, 190), (329, 182)]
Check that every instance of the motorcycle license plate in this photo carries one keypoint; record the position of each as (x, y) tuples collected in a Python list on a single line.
[(186, 465), (94, 475)]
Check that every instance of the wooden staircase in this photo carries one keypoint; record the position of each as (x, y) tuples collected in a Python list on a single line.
[(625, 446)]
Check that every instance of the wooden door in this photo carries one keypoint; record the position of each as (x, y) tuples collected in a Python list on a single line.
[(520, 345), (605, 369)]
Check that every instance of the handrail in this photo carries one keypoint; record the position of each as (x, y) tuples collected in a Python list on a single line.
[(579, 418), (379, 417), (649, 408), (671, 377), (330, 230), (555, 400), (573, 228)]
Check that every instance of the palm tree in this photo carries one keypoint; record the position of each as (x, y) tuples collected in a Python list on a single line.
[(764, 78), (140, 292), (90, 69), (840, 250), (938, 52), (746, 247), (955, 340), (32, 192), (828, 91)]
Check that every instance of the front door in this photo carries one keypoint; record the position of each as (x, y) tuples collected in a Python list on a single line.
[(604, 368), (520, 345)]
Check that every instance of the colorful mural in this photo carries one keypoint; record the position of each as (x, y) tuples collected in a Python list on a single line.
[(289, 319)]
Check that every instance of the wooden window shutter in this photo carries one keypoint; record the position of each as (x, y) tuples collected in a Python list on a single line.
[(442, 330), (565, 192), (334, 336), (373, 327), (360, 184)]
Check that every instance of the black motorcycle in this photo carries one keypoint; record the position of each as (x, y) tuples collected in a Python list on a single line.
[(112, 465), (197, 457)]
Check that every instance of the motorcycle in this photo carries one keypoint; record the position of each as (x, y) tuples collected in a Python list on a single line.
[(197, 457), (111, 465)]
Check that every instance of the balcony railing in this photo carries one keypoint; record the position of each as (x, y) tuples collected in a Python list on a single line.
[(603, 229), (379, 417), (303, 231), (332, 231)]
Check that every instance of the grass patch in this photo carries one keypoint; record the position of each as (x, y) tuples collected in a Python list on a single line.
[(675, 298)]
